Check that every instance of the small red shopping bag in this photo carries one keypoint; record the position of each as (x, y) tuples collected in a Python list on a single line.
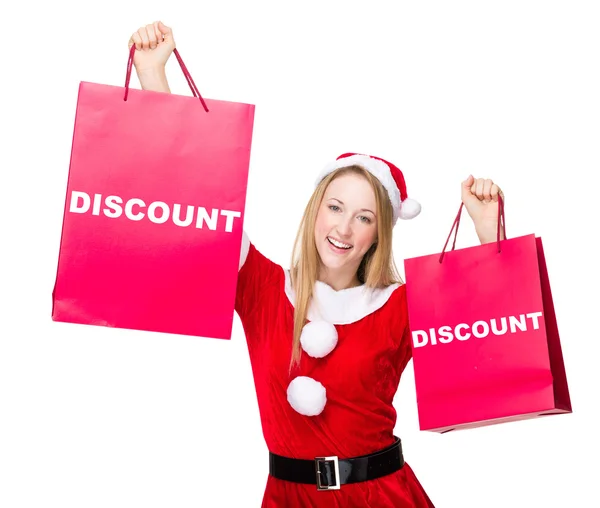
[(485, 340), (154, 210)]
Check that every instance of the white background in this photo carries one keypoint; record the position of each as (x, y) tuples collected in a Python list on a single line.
[(95, 417)]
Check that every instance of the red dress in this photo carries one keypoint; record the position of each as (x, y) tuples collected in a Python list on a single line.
[(361, 376)]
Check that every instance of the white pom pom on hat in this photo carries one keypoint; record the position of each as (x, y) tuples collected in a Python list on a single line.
[(390, 177), (318, 338), (307, 396)]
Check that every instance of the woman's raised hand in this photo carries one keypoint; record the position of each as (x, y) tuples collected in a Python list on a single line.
[(154, 44)]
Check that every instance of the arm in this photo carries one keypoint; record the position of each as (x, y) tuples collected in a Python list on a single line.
[(488, 232), (154, 80)]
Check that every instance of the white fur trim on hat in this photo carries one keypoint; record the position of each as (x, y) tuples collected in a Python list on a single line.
[(377, 168), (318, 338), (409, 209), (307, 396)]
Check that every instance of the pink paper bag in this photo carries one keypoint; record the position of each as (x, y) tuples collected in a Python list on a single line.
[(154, 210), (486, 347)]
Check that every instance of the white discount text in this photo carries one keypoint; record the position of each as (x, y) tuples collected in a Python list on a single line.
[(478, 329), (158, 212)]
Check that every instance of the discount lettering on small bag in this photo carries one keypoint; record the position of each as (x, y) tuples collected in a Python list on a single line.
[(479, 329), (158, 212)]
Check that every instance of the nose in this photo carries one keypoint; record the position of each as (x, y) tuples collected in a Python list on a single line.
[(344, 226)]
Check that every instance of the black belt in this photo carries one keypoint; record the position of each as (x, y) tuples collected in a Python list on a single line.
[(329, 473)]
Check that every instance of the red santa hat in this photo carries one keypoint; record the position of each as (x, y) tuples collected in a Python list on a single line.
[(389, 175)]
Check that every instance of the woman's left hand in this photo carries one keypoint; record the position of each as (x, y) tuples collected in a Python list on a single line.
[(480, 197)]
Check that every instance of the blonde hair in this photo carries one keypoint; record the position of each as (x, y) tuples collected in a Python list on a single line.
[(377, 268)]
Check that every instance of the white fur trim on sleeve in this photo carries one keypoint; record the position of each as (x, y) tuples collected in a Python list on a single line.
[(244, 250)]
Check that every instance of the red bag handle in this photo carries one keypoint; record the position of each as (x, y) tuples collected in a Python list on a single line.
[(186, 73), (501, 220)]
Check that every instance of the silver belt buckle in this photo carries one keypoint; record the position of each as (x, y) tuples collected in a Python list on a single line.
[(336, 469)]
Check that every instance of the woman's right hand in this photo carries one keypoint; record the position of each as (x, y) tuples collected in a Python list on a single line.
[(154, 44)]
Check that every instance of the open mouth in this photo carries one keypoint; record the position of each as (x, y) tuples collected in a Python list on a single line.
[(338, 244)]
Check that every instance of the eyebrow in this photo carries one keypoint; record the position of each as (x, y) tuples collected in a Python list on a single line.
[(361, 210)]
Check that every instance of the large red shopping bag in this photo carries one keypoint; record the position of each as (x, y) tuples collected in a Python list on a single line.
[(485, 340), (154, 210)]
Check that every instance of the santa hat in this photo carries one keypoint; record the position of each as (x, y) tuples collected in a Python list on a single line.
[(389, 175)]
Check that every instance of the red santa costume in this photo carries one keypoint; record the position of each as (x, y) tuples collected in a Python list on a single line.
[(338, 404)]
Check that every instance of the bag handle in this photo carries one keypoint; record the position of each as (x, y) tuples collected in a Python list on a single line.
[(501, 220), (186, 73)]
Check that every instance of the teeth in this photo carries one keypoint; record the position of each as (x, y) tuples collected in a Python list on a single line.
[(339, 244)]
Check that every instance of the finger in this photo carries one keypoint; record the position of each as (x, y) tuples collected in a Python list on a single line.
[(479, 189), (164, 29), (151, 36), (143, 33), (465, 189), (159, 35), (494, 191), (487, 190), (137, 40), (468, 182)]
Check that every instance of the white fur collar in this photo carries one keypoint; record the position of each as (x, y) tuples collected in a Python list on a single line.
[(341, 307)]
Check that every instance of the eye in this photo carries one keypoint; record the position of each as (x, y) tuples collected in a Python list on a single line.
[(365, 219), (334, 208)]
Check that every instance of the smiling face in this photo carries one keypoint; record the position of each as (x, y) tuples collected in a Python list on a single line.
[(345, 228)]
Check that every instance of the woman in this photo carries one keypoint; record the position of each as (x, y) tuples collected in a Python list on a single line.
[(329, 339)]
